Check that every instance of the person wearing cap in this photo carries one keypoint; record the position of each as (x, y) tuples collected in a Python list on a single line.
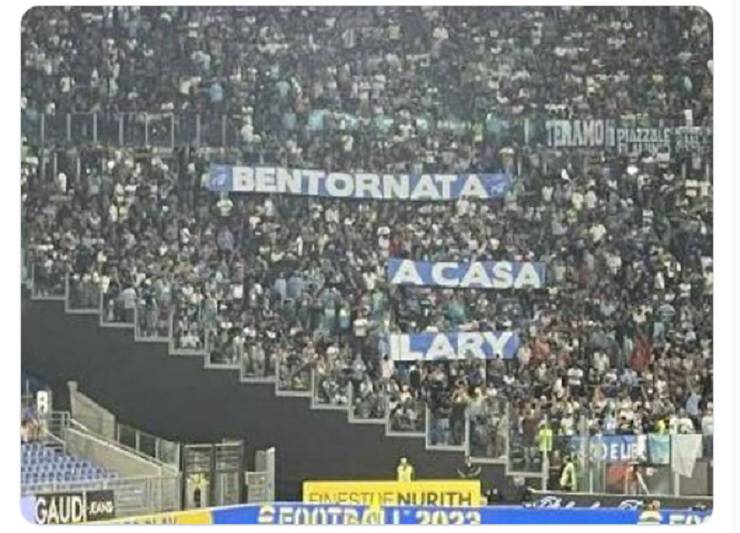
[(405, 471)]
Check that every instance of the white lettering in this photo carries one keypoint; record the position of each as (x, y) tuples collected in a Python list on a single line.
[(395, 186), (243, 179), (401, 348), (425, 188), (313, 180), (446, 181), (567, 133), (578, 133), (497, 343), (550, 126), (502, 276), (368, 186), (407, 274), (470, 343), (338, 184), (476, 276), (265, 179), (527, 277), (473, 187), (438, 274), (289, 181), (598, 137), (440, 347), (558, 129)]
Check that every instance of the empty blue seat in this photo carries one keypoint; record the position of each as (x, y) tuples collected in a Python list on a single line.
[(44, 464)]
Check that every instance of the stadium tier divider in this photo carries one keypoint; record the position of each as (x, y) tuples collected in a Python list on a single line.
[(509, 471), (210, 365), (68, 302), (264, 380), (25, 268), (389, 432), (104, 323), (173, 350), (144, 338), (274, 379), (37, 293), (442, 447), (289, 393), (352, 419), (317, 405)]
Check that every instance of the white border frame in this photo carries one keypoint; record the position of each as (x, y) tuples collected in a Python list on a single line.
[(724, 13)]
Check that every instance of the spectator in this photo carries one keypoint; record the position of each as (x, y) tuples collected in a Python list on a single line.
[(405, 471), (568, 479), (622, 336)]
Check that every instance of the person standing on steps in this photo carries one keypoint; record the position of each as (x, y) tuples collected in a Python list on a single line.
[(468, 470)]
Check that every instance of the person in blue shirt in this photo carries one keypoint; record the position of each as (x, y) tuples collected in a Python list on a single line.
[(216, 93)]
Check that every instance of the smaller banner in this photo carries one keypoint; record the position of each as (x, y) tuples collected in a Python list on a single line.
[(567, 500), (659, 449), (631, 141), (305, 182), (74, 507), (457, 345), (685, 449), (614, 448), (471, 275), (459, 493)]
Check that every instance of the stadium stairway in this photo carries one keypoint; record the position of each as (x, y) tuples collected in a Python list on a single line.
[(183, 396)]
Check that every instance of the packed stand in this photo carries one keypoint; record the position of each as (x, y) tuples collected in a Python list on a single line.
[(283, 286)]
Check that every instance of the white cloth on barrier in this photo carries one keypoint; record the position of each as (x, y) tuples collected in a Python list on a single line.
[(685, 449)]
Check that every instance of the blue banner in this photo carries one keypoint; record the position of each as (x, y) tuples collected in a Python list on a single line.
[(457, 345), (305, 182), (474, 275), (659, 449), (327, 514), (613, 448)]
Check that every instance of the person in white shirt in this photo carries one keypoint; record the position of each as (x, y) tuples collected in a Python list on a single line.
[(577, 200), (547, 193), (597, 232), (575, 380), (601, 362), (567, 425), (387, 367), (591, 199), (558, 388), (225, 205), (524, 354)]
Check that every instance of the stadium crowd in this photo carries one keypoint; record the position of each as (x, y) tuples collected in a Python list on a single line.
[(620, 338)]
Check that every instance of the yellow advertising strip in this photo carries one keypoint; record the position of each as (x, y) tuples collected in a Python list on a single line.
[(442, 492), (198, 517)]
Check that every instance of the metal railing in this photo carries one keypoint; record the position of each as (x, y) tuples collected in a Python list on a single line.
[(84, 437), (220, 130), (223, 130), (148, 445), (134, 495)]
